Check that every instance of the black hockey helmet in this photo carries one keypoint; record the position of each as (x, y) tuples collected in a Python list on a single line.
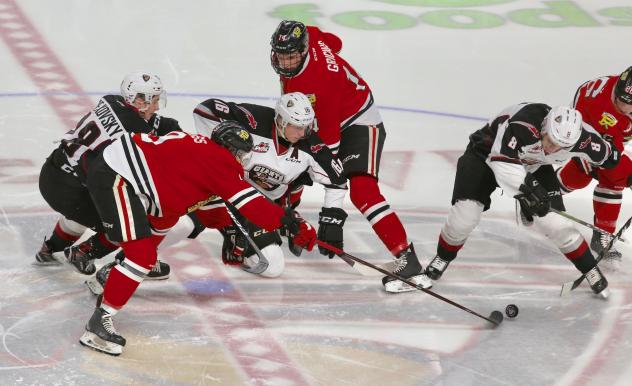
[(234, 137), (289, 37), (623, 88)]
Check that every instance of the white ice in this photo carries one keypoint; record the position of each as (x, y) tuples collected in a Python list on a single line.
[(320, 323)]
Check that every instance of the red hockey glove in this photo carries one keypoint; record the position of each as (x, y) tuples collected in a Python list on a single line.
[(304, 233)]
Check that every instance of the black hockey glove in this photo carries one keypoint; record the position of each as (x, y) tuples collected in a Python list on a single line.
[(534, 199), (615, 155), (234, 246), (330, 223)]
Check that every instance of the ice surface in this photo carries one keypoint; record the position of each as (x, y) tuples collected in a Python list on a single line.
[(321, 323)]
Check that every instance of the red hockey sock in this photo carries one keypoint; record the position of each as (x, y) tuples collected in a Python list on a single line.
[(581, 257), (120, 287), (365, 195), (446, 251), (607, 205), (140, 257)]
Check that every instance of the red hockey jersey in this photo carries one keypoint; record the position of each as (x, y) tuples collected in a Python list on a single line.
[(179, 173), (339, 95), (594, 100)]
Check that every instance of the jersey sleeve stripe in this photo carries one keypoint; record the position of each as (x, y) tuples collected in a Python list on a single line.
[(243, 197), (205, 112), (505, 159), (142, 178)]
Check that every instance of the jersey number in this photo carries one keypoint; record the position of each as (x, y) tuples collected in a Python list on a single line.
[(512, 143), (86, 135)]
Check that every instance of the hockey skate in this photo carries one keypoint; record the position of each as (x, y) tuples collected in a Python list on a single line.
[(612, 259), (100, 334), (598, 282), (436, 268), (96, 283), (160, 271), (408, 267), (45, 255), (80, 257)]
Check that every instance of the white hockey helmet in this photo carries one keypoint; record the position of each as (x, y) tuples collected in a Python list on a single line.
[(144, 85), (563, 126), (294, 108)]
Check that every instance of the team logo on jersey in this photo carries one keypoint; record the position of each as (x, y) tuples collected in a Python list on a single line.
[(585, 144), (251, 119), (263, 147), (607, 120), (265, 177)]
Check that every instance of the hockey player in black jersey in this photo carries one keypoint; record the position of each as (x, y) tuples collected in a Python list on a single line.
[(514, 151), (61, 180), (287, 153)]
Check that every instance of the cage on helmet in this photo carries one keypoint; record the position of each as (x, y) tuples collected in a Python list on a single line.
[(563, 126), (143, 85), (623, 88), (233, 136), (289, 37), (295, 109)]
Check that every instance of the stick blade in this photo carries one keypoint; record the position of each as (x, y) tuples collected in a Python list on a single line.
[(496, 318)]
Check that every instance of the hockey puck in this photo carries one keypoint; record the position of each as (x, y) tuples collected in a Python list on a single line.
[(511, 310)]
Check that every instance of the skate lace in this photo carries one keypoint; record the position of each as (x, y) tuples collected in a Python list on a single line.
[(156, 267), (438, 263), (605, 240), (108, 324), (401, 264)]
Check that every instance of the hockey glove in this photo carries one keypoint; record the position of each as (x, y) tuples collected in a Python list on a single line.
[(303, 234), (234, 245), (330, 223), (615, 155), (534, 199)]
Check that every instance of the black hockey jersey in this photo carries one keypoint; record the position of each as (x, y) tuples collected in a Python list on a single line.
[(107, 121), (514, 136)]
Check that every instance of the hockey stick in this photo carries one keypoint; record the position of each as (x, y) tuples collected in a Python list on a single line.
[(571, 285), (495, 318), (584, 223), (263, 263)]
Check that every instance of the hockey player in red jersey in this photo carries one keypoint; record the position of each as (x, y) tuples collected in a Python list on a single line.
[(139, 197), (61, 180), (606, 105), (515, 151), (348, 121)]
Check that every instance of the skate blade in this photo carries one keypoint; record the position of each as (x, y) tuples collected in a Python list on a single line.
[(92, 341), (604, 294), (94, 286), (165, 277), (53, 263), (397, 286)]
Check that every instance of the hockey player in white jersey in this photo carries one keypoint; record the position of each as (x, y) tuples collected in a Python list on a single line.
[(286, 155), (514, 151)]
